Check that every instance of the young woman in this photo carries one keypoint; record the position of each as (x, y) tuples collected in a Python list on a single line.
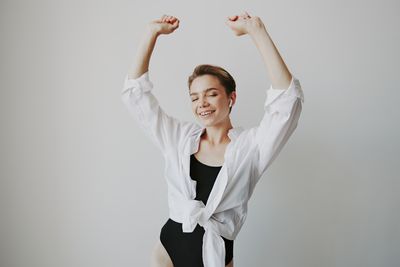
[(211, 168)]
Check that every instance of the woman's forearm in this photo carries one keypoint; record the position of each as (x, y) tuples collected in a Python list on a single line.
[(143, 54), (276, 67)]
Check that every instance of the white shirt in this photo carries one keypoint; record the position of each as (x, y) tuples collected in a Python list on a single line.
[(246, 158)]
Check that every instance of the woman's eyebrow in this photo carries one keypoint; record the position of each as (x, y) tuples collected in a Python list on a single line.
[(206, 90)]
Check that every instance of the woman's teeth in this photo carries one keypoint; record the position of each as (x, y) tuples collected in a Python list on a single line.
[(206, 114)]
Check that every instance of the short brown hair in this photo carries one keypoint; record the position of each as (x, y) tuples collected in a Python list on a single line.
[(221, 74)]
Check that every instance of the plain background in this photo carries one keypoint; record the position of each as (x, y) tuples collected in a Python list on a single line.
[(82, 186)]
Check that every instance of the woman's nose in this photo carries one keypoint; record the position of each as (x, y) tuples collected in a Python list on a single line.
[(203, 102)]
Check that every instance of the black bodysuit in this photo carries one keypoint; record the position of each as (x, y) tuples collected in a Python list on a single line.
[(185, 249)]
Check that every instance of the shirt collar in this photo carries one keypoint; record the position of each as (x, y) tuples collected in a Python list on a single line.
[(233, 133)]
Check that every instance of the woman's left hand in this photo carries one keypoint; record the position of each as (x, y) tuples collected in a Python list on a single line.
[(244, 23)]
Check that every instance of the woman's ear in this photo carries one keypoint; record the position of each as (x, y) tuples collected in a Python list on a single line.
[(232, 98)]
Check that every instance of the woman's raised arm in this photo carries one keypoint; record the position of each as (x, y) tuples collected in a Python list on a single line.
[(283, 104), (164, 130), (253, 26), (164, 25)]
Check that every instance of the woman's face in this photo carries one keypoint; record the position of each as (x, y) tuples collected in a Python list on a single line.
[(207, 94)]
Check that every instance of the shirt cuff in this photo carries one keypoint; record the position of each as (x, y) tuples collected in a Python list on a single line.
[(293, 91), (138, 85)]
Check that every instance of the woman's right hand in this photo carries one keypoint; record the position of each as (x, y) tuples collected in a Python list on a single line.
[(244, 24), (164, 25)]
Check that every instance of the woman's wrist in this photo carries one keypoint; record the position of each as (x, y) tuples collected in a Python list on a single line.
[(152, 32), (255, 32), (257, 27)]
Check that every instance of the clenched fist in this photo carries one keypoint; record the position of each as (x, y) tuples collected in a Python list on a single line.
[(164, 25), (244, 23)]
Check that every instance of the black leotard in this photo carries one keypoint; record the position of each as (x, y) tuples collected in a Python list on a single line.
[(185, 249)]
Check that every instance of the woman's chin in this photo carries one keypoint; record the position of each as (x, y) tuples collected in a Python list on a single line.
[(207, 123)]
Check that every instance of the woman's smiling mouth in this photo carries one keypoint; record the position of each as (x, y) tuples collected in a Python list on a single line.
[(206, 114)]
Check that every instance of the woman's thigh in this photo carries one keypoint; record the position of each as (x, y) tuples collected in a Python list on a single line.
[(160, 257), (230, 264)]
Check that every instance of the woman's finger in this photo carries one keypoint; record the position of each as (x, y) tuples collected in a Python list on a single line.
[(243, 16), (167, 18), (176, 23), (233, 17)]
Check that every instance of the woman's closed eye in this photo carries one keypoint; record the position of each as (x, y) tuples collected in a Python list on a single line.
[(194, 99)]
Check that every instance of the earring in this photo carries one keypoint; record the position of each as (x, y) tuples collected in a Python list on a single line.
[(230, 103)]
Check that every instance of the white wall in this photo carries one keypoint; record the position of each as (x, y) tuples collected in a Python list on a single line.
[(76, 169)]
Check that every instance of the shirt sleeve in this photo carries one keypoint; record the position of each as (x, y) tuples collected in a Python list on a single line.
[(282, 109), (163, 130)]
